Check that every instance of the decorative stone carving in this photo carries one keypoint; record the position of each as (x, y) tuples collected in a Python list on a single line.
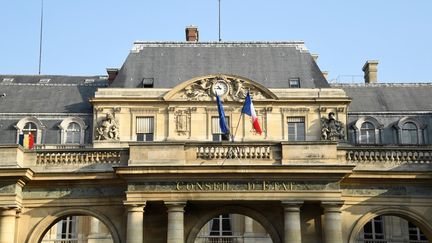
[(203, 90), (332, 129), (108, 128), (182, 120)]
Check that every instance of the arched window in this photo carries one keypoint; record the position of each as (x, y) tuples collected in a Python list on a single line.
[(72, 130), (30, 127), (73, 133), (409, 133), (367, 130), (367, 133)]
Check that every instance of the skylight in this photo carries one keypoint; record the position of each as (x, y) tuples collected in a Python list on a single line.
[(7, 80), (44, 80)]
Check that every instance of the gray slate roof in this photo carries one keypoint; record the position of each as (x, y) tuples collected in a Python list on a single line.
[(271, 64), (63, 94), (388, 97)]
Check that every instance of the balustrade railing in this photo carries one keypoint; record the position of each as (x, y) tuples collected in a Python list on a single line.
[(397, 155), (53, 157), (234, 151)]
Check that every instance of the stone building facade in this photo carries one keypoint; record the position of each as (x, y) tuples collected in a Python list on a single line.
[(138, 156)]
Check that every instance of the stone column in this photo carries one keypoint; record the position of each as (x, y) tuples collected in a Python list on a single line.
[(332, 222), (292, 228), (175, 232), (7, 225), (135, 224)]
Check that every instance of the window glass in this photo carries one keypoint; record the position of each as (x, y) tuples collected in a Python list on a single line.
[(409, 133), (73, 133), (145, 128), (296, 129), (367, 133)]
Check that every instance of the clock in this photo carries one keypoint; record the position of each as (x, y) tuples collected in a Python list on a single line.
[(220, 88)]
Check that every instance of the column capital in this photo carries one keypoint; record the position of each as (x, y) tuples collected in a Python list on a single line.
[(292, 206), (135, 207), (175, 206), (332, 206), (7, 211)]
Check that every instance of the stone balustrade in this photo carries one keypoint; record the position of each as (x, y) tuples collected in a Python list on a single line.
[(80, 157), (222, 151), (393, 154)]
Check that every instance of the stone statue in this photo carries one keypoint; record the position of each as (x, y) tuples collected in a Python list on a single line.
[(108, 128), (332, 129)]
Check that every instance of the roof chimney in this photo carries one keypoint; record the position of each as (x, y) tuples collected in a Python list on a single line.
[(192, 34), (370, 71), (112, 74)]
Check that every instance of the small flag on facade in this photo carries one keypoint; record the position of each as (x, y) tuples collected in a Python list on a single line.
[(249, 110), (222, 120), (26, 140)]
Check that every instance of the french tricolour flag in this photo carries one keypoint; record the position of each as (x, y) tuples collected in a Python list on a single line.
[(249, 110)]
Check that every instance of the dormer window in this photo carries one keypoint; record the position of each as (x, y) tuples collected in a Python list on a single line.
[(410, 131), (367, 130), (148, 82), (44, 80), (367, 133), (7, 80), (294, 83)]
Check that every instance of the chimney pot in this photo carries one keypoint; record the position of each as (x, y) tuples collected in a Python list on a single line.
[(192, 34), (370, 70)]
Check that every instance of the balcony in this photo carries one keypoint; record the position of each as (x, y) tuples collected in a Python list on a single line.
[(388, 155)]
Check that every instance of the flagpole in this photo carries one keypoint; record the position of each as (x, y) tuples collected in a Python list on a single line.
[(220, 20), (40, 37)]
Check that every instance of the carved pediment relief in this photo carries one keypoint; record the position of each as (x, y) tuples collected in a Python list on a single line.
[(231, 88)]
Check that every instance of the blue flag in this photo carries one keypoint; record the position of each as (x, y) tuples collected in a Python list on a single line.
[(222, 121)]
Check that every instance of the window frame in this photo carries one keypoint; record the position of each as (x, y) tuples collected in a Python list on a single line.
[(145, 137), (39, 126), (421, 135), (358, 130), (64, 125), (219, 136), (301, 120)]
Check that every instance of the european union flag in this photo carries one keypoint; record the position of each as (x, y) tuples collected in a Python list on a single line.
[(222, 121)]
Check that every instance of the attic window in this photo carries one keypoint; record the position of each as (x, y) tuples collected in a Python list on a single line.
[(7, 80), (89, 81), (44, 80), (294, 83), (148, 82)]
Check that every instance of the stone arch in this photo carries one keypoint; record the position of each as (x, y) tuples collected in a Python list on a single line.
[(206, 81), (44, 225), (257, 216), (405, 213)]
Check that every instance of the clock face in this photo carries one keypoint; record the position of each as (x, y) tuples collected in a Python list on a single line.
[(220, 88)]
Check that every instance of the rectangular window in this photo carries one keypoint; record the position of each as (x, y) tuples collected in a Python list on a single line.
[(296, 128), (148, 82), (145, 128), (216, 131), (294, 83)]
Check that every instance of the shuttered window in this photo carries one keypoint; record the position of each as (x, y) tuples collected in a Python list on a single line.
[(144, 128)]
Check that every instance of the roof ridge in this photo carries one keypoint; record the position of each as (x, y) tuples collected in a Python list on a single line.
[(52, 84), (419, 84)]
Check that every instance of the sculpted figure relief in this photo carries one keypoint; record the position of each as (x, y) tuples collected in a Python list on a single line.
[(108, 128), (201, 90), (332, 129)]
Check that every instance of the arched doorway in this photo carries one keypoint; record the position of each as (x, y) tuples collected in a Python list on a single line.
[(235, 223), (232, 228), (101, 224), (78, 229), (391, 225)]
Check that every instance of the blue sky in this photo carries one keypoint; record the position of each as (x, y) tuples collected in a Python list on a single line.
[(84, 37)]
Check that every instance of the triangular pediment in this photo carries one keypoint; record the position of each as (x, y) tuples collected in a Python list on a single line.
[(228, 87)]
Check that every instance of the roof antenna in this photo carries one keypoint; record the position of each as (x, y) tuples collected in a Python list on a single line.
[(40, 36), (220, 20)]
